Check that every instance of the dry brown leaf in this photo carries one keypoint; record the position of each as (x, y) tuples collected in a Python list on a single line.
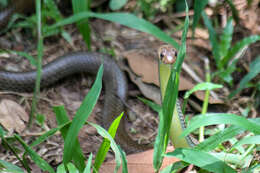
[(146, 67), (12, 116), (139, 162)]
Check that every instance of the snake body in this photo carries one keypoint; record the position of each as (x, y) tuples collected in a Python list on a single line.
[(113, 78)]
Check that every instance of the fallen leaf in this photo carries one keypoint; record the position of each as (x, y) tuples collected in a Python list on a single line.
[(12, 116), (139, 162)]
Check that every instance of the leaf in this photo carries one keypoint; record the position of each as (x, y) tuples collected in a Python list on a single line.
[(34, 156), (103, 149), (125, 19), (199, 5), (81, 116), (62, 118), (213, 38), (116, 4), (101, 131), (248, 140), (88, 166), (239, 46), (213, 141), (9, 167), (78, 7), (202, 86), (225, 38), (201, 159), (221, 118), (151, 104), (254, 71)]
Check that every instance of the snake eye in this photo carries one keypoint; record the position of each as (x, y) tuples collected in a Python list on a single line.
[(161, 55)]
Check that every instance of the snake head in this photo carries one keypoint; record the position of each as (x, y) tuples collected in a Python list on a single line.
[(167, 54)]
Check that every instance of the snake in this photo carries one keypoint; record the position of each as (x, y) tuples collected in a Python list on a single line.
[(113, 78), (167, 56)]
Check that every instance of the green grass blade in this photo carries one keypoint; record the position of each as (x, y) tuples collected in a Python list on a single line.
[(254, 71), (8, 167), (238, 47), (124, 160), (35, 157), (61, 168), (125, 19), (81, 116), (199, 6), (175, 167), (225, 39), (151, 104), (89, 163), (213, 141), (78, 7), (234, 10), (46, 135), (101, 131), (201, 159), (103, 149), (213, 38), (202, 86), (116, 4), (221, 118), (248, 140), (72, 168)]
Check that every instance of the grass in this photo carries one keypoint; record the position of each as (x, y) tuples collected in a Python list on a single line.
[(210, 155)]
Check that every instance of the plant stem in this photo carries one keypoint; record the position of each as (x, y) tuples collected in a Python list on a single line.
[(206, 99), (39, 62)]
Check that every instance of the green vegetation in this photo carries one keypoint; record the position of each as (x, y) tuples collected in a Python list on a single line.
[(204, 156)]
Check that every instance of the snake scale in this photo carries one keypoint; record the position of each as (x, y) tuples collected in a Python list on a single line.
[(88, 62)]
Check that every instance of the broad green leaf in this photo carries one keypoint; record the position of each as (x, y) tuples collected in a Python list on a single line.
[(248, 140), (254, 71), (62, 118), (103, 149), (226, 38), (221, 118), (81, 116), (116, 4), (35, 157), (239, 46), (202, 86), (213, 38), (9, 167), (201, 159), (101, 131), (199, 6), (125, 19)]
